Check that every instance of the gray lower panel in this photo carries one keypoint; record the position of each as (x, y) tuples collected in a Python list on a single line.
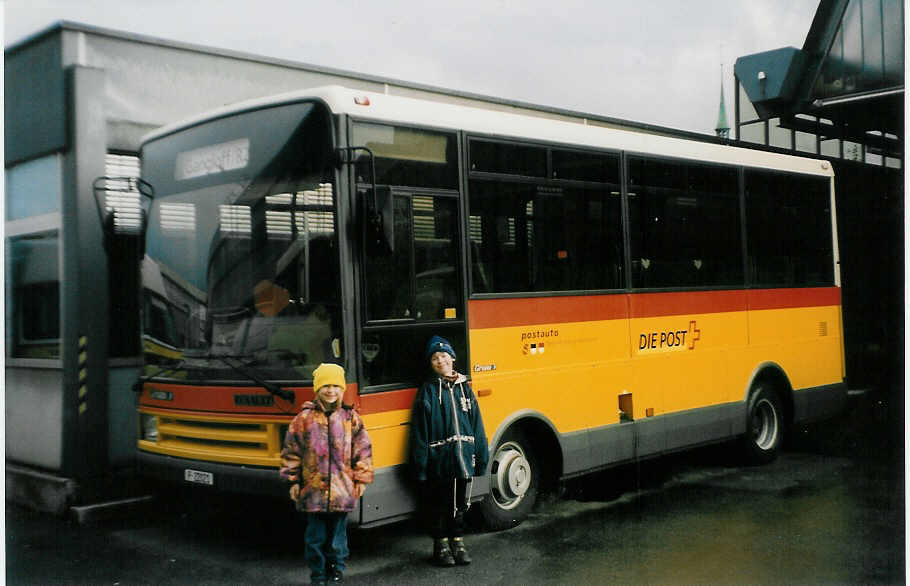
[(393, 495), (622, 442), (650, 435), (701, 426), (819, 402), (613, 443), (576, 451)]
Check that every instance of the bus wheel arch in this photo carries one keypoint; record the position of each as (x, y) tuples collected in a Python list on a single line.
[(769, 413), (525, 461)]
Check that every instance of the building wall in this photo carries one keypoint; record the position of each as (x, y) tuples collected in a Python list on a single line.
[(34, 412), (34, 92)]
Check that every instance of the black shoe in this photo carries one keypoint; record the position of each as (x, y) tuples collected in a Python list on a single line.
[(460, 552), (442, 555), (335, 575)]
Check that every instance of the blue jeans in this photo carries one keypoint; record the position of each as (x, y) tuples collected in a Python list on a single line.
[(326, 542)]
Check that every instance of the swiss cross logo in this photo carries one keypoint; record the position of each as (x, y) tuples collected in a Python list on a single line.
[(694, 335)]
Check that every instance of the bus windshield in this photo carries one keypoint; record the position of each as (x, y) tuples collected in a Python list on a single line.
[(242, 255)]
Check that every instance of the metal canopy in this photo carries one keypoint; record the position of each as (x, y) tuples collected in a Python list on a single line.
[(847, 81)]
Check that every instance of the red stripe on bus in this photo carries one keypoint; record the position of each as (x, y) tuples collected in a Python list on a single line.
[(220, 399), (785, 298), (386, 401), (689, 302), (497, 313)]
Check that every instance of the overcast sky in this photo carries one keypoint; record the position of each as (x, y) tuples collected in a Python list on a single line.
[(652, 61)]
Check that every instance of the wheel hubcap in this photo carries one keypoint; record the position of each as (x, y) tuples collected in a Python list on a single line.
[(511, 475), (764, 424)]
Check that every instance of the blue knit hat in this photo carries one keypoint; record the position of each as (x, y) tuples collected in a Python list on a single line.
[(439, 344)]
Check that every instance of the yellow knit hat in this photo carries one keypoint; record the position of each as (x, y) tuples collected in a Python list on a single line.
[(328, 374)]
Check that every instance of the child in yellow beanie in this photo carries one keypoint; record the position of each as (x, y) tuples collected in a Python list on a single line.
[(324, 484)]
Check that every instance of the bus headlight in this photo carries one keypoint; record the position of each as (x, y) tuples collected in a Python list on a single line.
[(149, 427)]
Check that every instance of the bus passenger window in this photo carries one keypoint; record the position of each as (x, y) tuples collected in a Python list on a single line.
[(684, 224), (789, 230), (511, 159), (544, 238), (561, 231)]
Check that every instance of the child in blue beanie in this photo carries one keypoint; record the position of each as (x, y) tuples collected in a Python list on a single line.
[(448, 448)]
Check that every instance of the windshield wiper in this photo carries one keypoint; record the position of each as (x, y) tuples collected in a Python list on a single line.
[(137, 386), (251, 375)]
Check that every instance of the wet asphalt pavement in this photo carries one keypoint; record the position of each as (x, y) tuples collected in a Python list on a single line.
[(830, 510)]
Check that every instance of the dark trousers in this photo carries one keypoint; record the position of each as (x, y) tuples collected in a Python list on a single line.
[(326, 542), (445, 502)]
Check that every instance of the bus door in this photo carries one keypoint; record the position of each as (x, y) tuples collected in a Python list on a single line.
[(411, 288), (409, 294)]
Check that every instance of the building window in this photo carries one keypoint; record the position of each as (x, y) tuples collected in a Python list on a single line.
[(34, 188), (754, 133), (33, 296), (806, 142), (779, 136), (831, 147)]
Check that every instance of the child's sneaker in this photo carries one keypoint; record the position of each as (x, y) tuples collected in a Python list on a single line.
[(335, 575), (460, 552), (442, 555)]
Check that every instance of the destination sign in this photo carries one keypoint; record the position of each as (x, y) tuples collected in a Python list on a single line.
[(210, 160)]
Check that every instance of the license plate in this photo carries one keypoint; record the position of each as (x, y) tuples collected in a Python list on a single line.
[(199, 477)]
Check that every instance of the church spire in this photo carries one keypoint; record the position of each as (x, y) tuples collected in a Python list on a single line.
[(722, 129)]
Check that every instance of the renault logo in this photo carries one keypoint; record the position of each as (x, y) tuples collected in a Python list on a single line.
[(254, 400)]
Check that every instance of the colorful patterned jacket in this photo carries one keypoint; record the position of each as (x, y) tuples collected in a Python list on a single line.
[(330, 457)]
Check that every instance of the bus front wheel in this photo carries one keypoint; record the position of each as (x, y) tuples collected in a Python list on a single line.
[(764, 426), (514, 481)]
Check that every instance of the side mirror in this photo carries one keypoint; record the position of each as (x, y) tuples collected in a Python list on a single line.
[(380, 221), (123, 204), (378, 206)]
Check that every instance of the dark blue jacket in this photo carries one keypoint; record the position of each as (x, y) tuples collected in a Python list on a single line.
[(447, 435)]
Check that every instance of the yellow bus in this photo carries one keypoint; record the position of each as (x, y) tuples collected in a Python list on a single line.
[(612, 294)]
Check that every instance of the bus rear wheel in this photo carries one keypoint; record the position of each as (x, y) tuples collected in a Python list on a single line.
[(764, 426), (514, 481)]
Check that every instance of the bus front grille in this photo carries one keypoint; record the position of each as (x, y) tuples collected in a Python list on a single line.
[(254, 443)]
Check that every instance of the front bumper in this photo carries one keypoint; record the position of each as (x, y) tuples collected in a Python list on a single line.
[(227, 477)]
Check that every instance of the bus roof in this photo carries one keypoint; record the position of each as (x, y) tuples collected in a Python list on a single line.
[(379, 107)]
